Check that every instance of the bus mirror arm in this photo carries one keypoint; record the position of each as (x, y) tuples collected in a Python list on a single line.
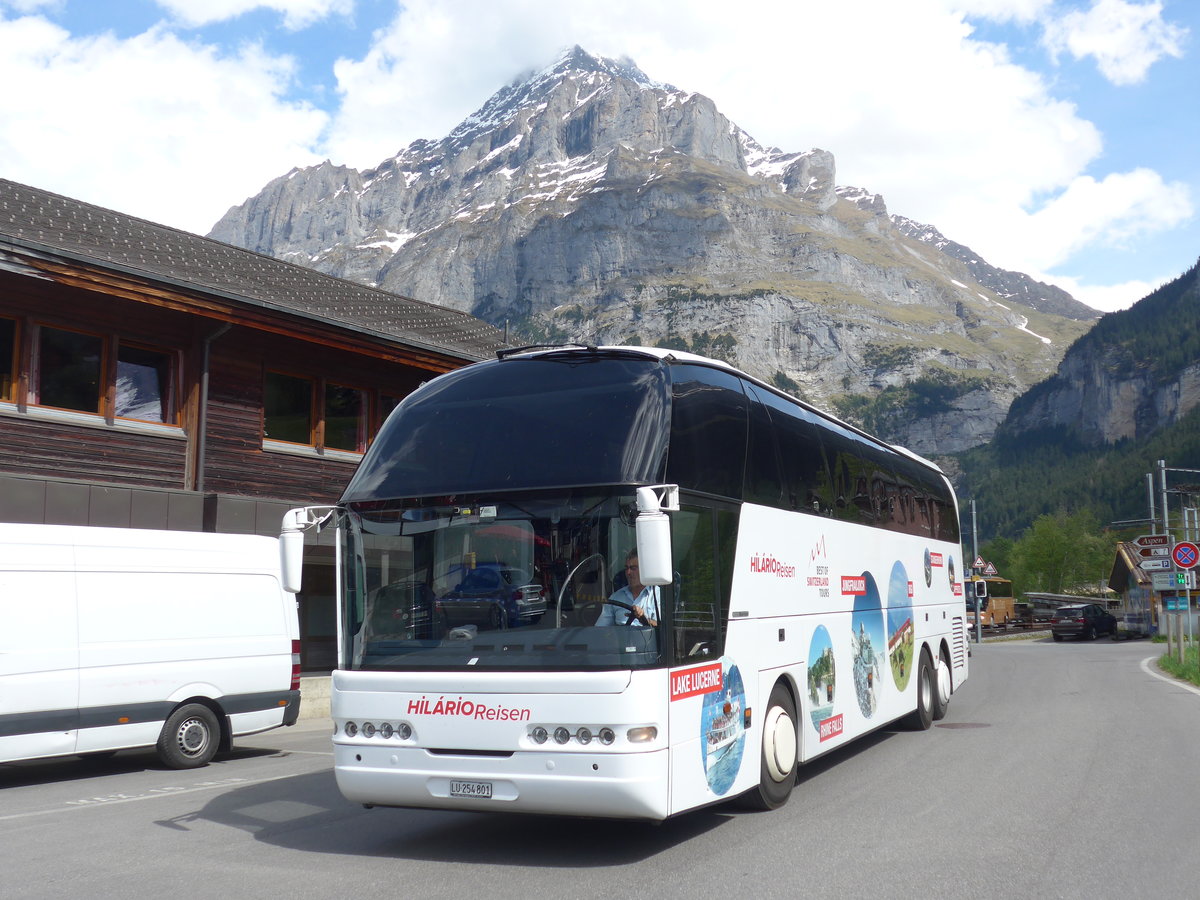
[(653, 527), (291, 541)]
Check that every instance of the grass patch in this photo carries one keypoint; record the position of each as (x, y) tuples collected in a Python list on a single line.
[(1188, 670)]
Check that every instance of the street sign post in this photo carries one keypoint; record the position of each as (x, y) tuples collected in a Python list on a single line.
[(1173, 581), (1153, 540)]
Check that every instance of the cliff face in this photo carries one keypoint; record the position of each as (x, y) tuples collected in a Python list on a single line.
[(1136, 373), (588, 203)]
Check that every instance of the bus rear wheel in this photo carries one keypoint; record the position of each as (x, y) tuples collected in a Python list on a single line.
[(777, 771), (941, 691), (922, 717)]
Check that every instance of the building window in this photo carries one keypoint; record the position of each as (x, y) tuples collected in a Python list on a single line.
[(387, 402), (68, 369), (312, 412), (73, 370), (345, 418), (144, 385), (8, 359), (287, 409)]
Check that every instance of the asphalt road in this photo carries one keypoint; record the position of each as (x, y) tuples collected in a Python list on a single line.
[(1062, 770)]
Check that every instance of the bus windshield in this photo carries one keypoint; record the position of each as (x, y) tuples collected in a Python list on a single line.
[(554, 421), (516, 583)]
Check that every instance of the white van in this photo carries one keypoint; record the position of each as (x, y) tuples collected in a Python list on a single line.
[(113, 638)]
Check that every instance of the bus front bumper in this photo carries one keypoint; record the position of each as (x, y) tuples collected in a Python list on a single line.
[(615, 785)]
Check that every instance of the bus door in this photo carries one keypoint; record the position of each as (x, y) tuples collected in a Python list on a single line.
[(707, 693)]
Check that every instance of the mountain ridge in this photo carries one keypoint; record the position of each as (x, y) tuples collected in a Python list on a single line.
[(588, 202)]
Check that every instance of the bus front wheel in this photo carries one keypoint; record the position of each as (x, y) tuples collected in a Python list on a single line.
[(777, 774)]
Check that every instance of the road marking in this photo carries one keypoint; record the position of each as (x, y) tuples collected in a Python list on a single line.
[(151, 794), (1167, 678)]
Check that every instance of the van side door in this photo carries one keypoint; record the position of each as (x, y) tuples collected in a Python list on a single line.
[(39, 648)]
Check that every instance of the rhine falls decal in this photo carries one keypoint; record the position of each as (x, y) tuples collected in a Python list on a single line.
[(822, 684), (721, 727)]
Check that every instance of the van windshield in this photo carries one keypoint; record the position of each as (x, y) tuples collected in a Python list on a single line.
[(516, 582)]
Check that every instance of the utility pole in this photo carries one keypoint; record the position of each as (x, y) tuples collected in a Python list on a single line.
[(975, 556)]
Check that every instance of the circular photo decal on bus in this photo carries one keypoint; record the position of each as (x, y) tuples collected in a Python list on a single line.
[(721, 727), (928, 568), (866, 645), (822, 678), (900, 626)]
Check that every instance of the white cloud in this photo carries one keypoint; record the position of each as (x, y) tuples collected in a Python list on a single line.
[(952, 130), (1111, 211), (30, 6), (1022, 11), (296, 13), (949, 128), (1105, 298), (151, 126), (1125, 38)]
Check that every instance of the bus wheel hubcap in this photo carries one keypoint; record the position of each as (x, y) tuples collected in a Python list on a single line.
[(779, 744)]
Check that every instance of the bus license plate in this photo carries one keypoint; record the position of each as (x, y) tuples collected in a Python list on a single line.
[(471, 789)]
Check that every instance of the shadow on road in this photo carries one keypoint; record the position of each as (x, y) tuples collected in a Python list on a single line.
[(307, 813), (64, 769)]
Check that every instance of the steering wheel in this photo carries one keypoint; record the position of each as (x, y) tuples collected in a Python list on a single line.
[(623, 605)]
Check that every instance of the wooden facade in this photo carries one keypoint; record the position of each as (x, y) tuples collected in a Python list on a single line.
[(216, 322)]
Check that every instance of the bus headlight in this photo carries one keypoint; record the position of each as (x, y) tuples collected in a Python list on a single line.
[(642, 735), (404, 731), (584, 736), (351, 729), (386, 730), (607, 736), (539, 735), (561, 735)]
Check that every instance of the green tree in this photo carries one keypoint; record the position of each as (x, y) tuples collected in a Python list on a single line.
[(1061, 554)]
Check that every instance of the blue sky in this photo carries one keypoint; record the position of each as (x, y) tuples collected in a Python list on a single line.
[(1054, 137)]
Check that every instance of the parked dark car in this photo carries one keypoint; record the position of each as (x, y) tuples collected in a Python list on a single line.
[(491, 596), (1084, 622)]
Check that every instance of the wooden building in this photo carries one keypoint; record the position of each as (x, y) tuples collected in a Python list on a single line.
[(151, 378)]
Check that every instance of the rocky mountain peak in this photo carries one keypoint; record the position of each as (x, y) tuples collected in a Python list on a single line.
[(586, 202)]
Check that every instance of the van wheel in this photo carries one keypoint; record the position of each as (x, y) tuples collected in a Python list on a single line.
[(189, 737), (777, 770), (922, 718), (941, 691)]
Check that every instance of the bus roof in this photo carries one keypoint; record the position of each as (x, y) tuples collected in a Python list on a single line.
[(668, 355)]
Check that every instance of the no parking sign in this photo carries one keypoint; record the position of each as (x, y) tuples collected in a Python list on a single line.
[(1185, 554)]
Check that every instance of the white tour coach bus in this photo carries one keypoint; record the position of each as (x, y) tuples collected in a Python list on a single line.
[(117, 638), (782, 584)]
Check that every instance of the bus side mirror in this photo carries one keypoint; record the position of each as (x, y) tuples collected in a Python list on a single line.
[(291, 559), (653, 528), (291, 542)]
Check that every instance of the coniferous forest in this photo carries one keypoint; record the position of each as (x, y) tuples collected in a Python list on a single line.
[(1022, 474)]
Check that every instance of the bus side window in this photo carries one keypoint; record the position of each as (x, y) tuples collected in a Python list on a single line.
[(703, 544), (707, 447)]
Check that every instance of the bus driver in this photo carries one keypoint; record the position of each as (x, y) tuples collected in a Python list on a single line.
[(633, 604)]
